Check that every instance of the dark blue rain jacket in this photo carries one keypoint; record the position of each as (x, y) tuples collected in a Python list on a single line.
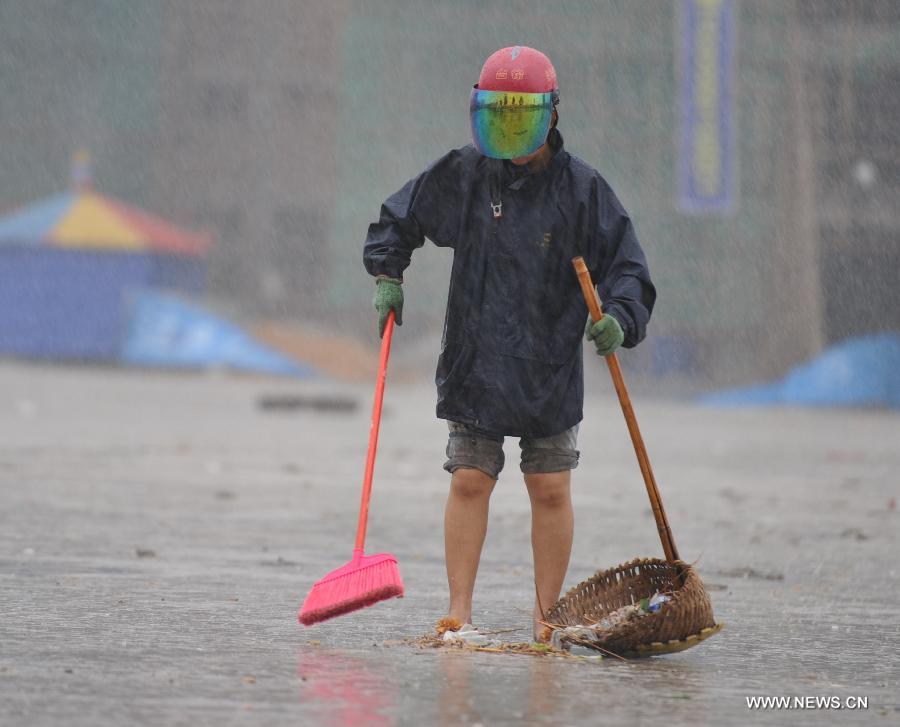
[(511, 360)]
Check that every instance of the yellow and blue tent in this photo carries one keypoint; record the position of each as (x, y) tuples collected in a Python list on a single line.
[(71, 265)]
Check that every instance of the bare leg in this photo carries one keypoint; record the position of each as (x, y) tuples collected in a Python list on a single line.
[(465, 525), (552, 525)]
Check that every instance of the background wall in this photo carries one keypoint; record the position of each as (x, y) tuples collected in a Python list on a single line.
[(283, 125)]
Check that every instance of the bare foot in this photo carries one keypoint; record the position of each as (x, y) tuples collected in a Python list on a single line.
[(541, 633)]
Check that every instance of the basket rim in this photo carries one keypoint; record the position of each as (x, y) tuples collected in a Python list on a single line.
[(674, 645), (685, 620)]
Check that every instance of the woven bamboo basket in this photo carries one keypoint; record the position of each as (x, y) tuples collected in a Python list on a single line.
[(682, 622)]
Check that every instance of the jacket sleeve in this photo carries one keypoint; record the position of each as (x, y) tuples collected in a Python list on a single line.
[(426, 206), (621, 273)]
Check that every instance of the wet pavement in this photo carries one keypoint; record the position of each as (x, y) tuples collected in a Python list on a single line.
[(158, 532)]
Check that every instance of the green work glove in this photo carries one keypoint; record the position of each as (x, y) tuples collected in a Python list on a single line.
[(606, 334), (388, 296)]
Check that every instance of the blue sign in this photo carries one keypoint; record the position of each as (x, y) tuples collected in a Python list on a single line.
[(706, 164)]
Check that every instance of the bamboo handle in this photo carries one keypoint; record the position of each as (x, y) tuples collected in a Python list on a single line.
[(659, 513)]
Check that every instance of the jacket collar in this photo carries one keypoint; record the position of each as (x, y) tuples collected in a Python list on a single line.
[(515, 176)]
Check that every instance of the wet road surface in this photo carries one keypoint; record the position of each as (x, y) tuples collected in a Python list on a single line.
[(158, 533)]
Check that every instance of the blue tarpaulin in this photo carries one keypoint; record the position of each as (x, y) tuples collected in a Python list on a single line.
[(861, 371), (167, 331)]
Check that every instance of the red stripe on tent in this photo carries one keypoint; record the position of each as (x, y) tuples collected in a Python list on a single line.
[(161, 236)]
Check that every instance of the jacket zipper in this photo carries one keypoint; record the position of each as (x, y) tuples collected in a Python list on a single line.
[(494, 189)]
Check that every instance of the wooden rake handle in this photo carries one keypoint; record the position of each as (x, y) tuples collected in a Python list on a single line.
[(659, 513)]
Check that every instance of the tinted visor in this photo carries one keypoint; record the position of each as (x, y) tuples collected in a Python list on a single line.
[(508, 125)]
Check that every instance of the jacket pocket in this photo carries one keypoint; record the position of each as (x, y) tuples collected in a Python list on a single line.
[(454, 365), (538, 331)]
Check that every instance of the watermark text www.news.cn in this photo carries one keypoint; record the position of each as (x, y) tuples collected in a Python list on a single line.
[(826, 702)]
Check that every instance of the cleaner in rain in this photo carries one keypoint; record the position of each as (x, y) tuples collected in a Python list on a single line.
[(515, 206)]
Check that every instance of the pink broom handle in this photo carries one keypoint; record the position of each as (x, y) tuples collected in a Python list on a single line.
[(373, 436)]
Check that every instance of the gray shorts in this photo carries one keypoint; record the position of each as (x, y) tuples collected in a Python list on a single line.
[(471, 447)]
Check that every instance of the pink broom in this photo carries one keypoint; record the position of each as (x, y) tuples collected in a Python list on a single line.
[(366, 579)]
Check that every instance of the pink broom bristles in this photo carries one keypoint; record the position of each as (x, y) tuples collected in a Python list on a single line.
[(364, 581)]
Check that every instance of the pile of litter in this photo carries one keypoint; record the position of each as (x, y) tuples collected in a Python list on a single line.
[(433, 641), (468, 635), (562, 637), (449, 633)]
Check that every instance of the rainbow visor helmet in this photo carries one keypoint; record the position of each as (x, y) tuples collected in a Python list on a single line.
[(511, 106)]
